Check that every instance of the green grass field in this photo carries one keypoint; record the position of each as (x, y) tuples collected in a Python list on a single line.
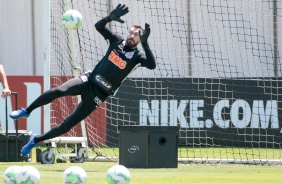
[(185, 173)]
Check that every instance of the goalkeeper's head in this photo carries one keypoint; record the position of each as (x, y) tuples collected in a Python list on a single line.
[(133, 38)]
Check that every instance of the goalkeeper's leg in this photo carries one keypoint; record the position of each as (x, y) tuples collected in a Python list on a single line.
[(77, 116), (84, 108), (71, 87)]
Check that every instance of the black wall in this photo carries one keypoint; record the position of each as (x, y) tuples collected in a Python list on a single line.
[(123, 109)]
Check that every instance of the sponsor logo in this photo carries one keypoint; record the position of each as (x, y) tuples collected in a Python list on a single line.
[(114, 58), (225, 114), (133, 149), (97, 101), (103, 82)]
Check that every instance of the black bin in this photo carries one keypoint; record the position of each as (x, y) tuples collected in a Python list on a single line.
[(11, 145), (148, 146)]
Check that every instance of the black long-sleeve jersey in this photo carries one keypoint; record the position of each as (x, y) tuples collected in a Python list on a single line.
[(119, 60)]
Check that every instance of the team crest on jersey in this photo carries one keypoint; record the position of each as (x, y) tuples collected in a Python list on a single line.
[(129, 55)]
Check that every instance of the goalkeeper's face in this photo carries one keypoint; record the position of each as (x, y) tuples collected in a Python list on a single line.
[(133, 38)]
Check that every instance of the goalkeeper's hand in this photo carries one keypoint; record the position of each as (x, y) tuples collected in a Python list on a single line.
[(119, 11), (144, 37)]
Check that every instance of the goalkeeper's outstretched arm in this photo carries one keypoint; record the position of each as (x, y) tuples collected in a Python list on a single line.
[(115, 15)]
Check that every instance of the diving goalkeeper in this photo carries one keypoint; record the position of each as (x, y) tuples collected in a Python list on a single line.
[(121, 58)]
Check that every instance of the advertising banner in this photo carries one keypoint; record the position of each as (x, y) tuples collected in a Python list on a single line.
[(237, 112)]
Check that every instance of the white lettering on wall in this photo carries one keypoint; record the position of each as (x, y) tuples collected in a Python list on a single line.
[(152, 114), (177, 113), (263, 115), (246, 113), (217, 114), (242, 115), (164, 113), (195, 113)]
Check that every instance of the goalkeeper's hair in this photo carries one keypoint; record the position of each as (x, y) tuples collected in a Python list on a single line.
[(138, 26)]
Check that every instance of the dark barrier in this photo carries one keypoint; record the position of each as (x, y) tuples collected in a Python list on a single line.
[(11, 141), (229, 112), (148, 146), (11, 144)]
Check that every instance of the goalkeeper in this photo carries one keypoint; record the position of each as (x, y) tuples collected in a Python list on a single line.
[(121, 58)]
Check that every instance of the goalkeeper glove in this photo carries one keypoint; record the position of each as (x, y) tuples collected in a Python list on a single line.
[(119, 11), (144, 37)]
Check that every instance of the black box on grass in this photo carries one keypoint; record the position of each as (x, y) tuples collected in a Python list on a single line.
[(148, 146), (11, 145)]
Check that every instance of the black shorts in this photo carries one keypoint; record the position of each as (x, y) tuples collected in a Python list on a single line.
[(91, 93)]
